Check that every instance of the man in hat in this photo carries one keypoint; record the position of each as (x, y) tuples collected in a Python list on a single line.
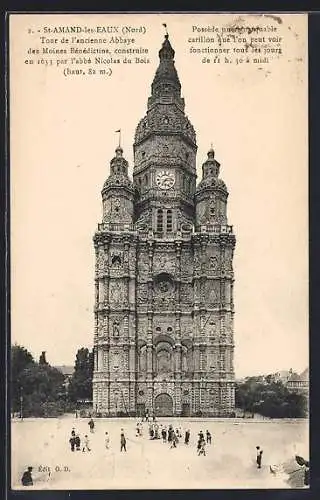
[(26, 479), (123, 441), (91, 425), (259, 456), (187, 437)]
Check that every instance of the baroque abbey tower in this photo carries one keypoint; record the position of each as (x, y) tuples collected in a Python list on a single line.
[(164, 310)]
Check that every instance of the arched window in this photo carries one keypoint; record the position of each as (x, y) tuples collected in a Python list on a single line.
[(160, 220), (169, 221), (164, 361)]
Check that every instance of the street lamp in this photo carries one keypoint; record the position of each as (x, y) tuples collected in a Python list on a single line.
[(21, 403)]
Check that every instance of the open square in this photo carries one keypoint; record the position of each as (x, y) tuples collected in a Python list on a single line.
[(151, 464)]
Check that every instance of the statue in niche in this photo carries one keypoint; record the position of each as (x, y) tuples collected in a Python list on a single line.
[(116, 331), (214, 262), (116, 260), (143, 359), (202, 322), (184, 361)]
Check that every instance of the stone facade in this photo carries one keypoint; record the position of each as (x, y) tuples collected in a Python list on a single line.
[(164, 309)]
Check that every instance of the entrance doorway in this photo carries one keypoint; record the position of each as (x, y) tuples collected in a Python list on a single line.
[(141, 410), (185, 410), (163, 405)]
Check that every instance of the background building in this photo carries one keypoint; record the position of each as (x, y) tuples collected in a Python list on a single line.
[(164, 308), (299, 384)]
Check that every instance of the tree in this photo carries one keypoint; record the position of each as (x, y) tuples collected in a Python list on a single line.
[(37, 384), (80, 386), (20, 360), (269, 397)]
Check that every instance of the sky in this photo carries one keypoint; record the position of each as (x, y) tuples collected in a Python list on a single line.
[(62, 138)]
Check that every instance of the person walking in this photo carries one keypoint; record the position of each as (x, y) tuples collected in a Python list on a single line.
[(202, 448), (123, 441), (164, 435), (77, 442), (259, 457), (72, 441), (208, 436), (86, 446), (91, 425), (107, 441), (174, 440), (26, 479), (187, 437)]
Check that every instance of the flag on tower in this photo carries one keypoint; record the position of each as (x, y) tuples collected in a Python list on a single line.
[(119, 132)]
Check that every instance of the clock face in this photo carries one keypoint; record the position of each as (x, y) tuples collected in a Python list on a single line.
[(165, 179)]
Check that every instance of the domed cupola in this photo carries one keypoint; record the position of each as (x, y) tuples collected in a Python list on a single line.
[(211, 194), (118, 192)]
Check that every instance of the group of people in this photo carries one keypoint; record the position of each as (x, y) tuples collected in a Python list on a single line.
[(75, 442), (157, 431), (202, 441), (173, 436)]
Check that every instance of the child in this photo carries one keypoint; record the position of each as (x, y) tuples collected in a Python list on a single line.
[(202, 450), (86, 446)]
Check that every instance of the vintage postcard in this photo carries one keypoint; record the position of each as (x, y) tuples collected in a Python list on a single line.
[(159, 251)]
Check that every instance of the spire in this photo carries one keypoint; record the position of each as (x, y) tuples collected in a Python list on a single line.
[(210, 173), (118, 172), (211, 153), (166, 73)]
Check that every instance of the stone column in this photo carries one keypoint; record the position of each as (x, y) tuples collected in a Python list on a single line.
[(132, 370), (100, 359)]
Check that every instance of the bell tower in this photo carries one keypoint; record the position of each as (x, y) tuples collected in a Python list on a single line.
[(164, 278), (165, 153)]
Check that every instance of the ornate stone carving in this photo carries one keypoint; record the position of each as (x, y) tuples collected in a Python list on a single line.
[(162, 290), (116, 329), (116, 259), (164, 262), (142, 293)]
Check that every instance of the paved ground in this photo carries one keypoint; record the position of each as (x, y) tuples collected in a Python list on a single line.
[(229, 463)]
